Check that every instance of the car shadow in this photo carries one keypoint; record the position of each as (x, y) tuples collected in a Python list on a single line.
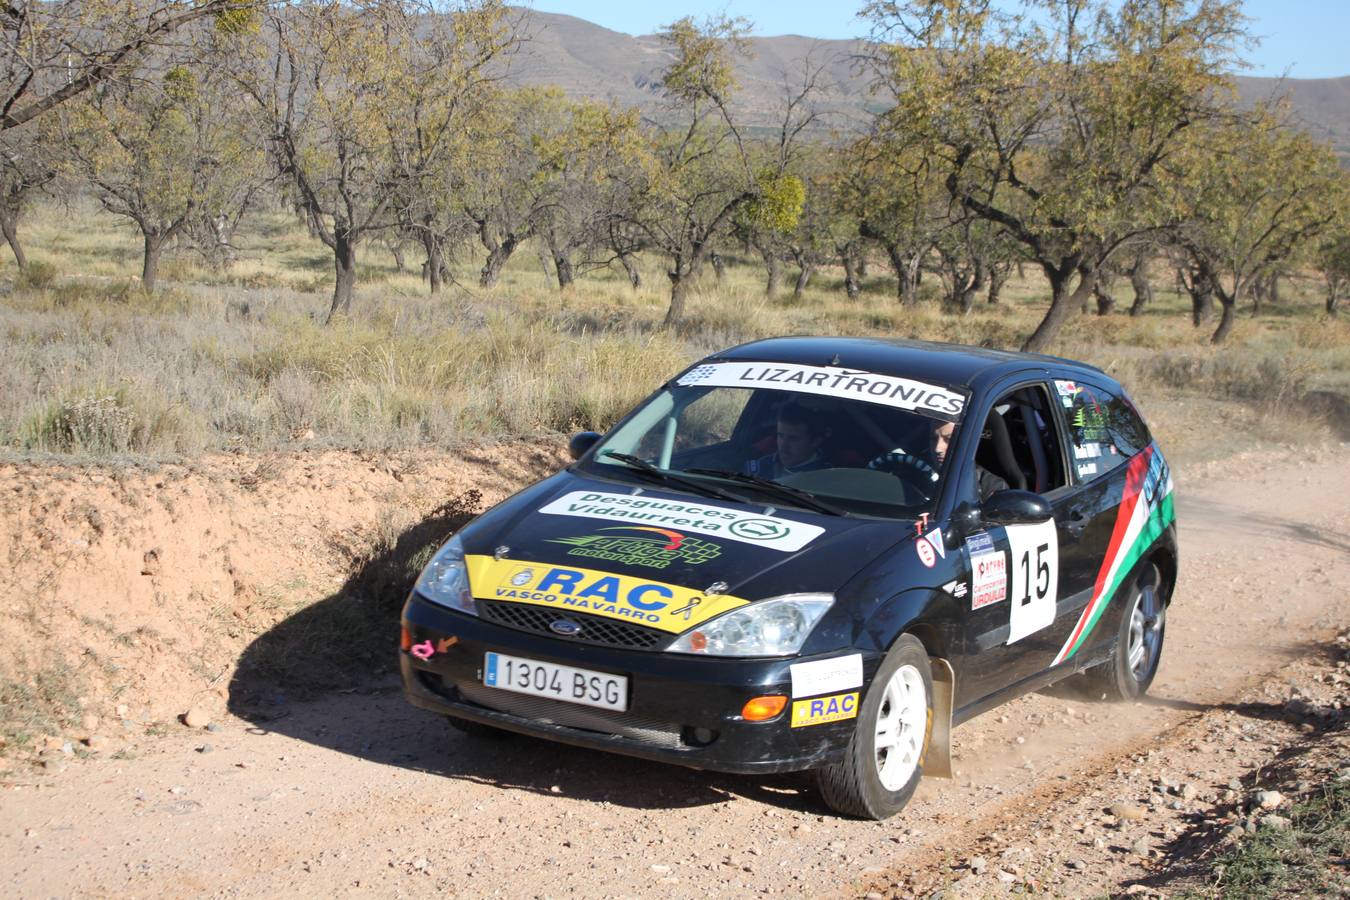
[(327, 675)]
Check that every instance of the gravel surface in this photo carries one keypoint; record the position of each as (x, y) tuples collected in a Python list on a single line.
[(358, 793)]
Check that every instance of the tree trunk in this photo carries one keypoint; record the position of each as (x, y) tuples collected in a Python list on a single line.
[(904, 279), (1333, 300), (852, 283), (562, 264), (1143, 291), (344, 263), (803, 276), (498, 254), (1106, 303), (969, 287), (434, 264), (679, 289), (1202, 303), (9, 225), (1062, 303), (154, 243), (774, 266), (997, 278), (1228, 303), (397, 251), (630, 267), (910, 275)]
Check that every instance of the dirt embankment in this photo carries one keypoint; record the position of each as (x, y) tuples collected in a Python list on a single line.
[(130, 593), (356, 792)]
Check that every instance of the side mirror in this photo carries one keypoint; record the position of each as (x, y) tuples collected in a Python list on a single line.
[(581, 443), (966, 520), (1014, 507)]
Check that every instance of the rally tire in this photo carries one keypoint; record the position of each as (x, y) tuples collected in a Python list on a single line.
[(1134, 660), (855, 786)]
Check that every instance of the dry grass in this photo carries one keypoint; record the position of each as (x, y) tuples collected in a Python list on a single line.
[(215, 360)]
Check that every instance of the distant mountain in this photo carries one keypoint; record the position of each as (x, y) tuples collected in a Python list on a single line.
[(589, 61), (1322, 105)]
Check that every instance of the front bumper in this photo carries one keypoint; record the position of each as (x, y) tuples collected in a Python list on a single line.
[(682, 709)]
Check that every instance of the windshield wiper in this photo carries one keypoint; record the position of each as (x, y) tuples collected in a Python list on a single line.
[(657, 473), (795, 494)]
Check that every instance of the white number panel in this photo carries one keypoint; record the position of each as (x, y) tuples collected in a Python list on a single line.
[(1033, 578)]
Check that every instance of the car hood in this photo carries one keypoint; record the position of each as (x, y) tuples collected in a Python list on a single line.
[(662, 558)]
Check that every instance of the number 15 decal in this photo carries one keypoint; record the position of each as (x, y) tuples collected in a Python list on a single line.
[(1033, 578)]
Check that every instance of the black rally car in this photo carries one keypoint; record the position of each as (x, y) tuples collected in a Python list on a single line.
[(811, 553)]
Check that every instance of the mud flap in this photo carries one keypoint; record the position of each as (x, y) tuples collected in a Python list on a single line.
[(937, 761)]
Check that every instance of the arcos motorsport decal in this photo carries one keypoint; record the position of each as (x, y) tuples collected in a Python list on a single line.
[(641, 545), (832, 381), (774, 532), (656, 604), (1145, 512)]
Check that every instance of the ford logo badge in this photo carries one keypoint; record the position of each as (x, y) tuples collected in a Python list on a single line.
[(565, 627)]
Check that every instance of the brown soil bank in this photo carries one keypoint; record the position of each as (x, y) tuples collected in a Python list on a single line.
[(130, 593)]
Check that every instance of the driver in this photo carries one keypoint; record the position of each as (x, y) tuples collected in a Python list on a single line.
[(987, 482), (801, 432), (930, 464)]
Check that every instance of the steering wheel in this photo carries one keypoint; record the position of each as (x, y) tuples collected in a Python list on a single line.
[(915, 471)]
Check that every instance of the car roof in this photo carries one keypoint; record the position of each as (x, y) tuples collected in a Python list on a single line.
[(948, 364)]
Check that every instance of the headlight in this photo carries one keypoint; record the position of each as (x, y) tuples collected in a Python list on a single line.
[(776, 627), (445, 580)]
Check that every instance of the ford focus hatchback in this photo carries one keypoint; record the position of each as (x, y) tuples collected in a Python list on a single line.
[(811, 554)]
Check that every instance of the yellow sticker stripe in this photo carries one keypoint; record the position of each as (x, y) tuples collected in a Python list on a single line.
[(820, 710), (655, 604)]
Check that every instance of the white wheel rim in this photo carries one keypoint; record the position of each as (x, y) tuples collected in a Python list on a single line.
[(901, 725)]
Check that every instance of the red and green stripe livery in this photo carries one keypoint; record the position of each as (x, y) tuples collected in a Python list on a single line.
[(1145, 512)]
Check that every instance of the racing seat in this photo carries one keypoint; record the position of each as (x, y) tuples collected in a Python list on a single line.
[(1031, 428), (995, 452)]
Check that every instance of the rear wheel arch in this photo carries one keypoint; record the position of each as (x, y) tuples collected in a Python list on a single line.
[(1165, 558)]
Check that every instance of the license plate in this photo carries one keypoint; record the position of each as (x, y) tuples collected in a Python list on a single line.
[(541, 679)]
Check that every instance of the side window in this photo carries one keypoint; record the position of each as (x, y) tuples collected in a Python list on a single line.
[(1030, 423), (1104, 431)]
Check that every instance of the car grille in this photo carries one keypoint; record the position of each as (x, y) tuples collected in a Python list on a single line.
[(594, 629), (557, 712)]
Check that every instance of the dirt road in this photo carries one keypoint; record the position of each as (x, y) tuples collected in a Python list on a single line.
[(360, 794)]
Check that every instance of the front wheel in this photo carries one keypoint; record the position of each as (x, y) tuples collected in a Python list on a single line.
[(1134, 661), (882, 764)]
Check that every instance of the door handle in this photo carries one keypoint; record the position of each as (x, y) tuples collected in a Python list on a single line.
[(1078, 520)]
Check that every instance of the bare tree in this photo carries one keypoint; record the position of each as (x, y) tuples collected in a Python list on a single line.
[(162, 153), (358, 102), (1263, 194), (56, 50), (28, 164), (700, 174), (1063, 125)]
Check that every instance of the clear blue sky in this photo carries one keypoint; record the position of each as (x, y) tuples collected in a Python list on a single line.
[(1305, 38)]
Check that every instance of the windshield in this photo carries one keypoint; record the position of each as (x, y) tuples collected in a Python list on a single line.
[(822, 438)]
